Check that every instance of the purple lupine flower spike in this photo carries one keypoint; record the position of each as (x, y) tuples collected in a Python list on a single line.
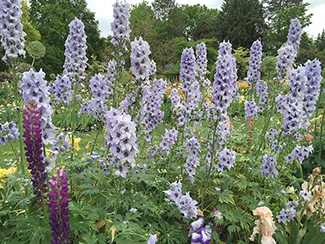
[(11, 29), (75, 51), (34, 152), (58, 207)]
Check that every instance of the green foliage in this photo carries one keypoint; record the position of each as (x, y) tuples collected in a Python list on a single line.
[(241, 22), (242, 59), (32, 34), (268, 67), (320, 41), (310, 54)]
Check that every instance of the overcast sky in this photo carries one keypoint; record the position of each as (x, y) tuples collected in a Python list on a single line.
[(104, 13)]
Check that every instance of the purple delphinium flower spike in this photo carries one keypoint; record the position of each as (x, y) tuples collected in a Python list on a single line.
[(193, 160), (201, 60), (294, 35), (8, 132), (187, 71), (313, 72), (58, 207), (140, 62), (226, 160), (168, 140), (186, 205), (34, 152), (224, 85), (61, 89), (250, 109), (75, 51), (268, 168), (299, 153), (11, 29), (255, 60), (121, 139), (121, 24)]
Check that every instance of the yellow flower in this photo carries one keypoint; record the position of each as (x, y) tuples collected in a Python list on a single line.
[(243, 85), (4, 172), (76, 141)]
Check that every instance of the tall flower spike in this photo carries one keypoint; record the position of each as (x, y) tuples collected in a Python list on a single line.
[(224, 80), (140, 62), (34, 152), (75, 51), (187, 72), (201, 60), (120, 25), (255, 60), (8, 132), (295, 32), (11, 29), (58, 207)]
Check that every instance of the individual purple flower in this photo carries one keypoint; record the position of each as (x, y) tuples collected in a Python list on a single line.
[(152, 239), (11, 30), (268, 168), (187, 71), (226, 160), (299, 153), (34, 151), (255, 60), (8, 132), (120, 25), (75, 62), (58, 207), (224, 86), (140, 62), (61, 89), (313, 72), (198, 232), (201, 60), (250, 109)]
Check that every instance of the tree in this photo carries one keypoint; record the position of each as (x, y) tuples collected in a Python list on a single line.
[(162, 8), (241, 22), (278, 31), (320, 41), (51, 18), (31, 33), (273, 6), (199, 21)]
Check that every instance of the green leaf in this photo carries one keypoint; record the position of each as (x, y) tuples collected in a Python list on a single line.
[(227, 197), (233, 228), (90, 238)]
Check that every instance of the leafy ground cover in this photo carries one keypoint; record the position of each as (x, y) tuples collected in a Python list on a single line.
[(128, 157)]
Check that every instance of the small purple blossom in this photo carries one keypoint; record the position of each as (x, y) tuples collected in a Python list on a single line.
[(152, 239), (58, 207)]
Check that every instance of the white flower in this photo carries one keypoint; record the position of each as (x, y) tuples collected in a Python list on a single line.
[(218, 214), (306, 195), (322, 228)]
